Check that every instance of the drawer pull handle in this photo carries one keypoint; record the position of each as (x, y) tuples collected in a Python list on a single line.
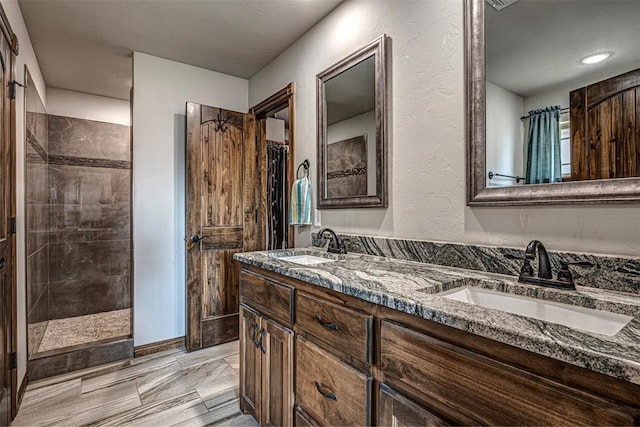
[(333, 326), (253, 336), (328, 395), (262, 334)]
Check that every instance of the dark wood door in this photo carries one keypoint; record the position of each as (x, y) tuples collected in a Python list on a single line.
[(222, 212), (8, 377), (277, 374), (250, 363), (605, 129)]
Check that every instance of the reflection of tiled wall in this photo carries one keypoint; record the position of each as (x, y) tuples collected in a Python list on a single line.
[(90, 196), (37, 223)]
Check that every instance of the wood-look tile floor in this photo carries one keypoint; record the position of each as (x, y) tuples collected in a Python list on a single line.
[(163, 389)]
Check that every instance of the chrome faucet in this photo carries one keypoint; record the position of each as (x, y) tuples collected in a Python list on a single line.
[(336, 246), (545, 276)]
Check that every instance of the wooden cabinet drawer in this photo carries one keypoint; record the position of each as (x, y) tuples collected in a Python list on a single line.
[(485, 390), (332, 391), (267, 296), (396, 410), (303, 419), (344, 329)]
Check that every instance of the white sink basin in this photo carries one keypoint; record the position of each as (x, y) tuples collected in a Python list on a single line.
[(586, 319), (305, 259)]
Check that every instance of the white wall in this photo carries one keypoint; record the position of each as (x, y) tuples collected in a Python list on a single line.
[(559, 95), (427, 139), (161, 90), (61, 102), (505, 140), (275, 130), (548, 99), (362, 124), (27, 57)]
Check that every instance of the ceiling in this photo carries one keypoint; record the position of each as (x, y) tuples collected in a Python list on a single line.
[(536, 45), (87, 45)]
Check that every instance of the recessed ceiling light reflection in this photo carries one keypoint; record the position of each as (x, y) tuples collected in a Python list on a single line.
[(594, 59)]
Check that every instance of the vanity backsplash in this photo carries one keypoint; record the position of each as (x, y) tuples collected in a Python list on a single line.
[(610, 272)]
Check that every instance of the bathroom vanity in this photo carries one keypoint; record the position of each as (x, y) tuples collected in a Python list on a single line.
[(365, 340)]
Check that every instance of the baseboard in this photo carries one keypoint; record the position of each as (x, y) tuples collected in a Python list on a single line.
[(21, 390), (158, 346), (219, 330)]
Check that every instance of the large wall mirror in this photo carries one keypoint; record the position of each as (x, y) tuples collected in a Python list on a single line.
[(352, 116), (553, 101)]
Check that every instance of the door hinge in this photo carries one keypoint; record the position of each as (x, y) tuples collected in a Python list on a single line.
[(13, 361), (12, 225), (12, 88)]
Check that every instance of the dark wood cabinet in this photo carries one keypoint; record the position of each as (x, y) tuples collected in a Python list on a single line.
[(332, 390), (341, 328), (483, 390), (266, 369), (397, 410), (424, 373), (250, 363), (303, 419), (277, 374), (269, 297)]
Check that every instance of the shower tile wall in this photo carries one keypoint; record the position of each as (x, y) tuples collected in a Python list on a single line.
[(90, 241), (37, 224)]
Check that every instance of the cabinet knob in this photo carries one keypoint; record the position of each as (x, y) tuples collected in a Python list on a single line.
[(331, 325), (327, 394), (262, 347)]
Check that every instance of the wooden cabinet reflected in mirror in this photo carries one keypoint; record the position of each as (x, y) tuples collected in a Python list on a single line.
[(352, 116), (605, 129)]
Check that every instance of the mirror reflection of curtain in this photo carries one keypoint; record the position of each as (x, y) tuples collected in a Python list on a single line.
[(543, 146)]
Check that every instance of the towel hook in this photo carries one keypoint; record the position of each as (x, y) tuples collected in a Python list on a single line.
[(305, 172)]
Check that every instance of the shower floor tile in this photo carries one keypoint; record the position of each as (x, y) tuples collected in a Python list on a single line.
[(61, 333)]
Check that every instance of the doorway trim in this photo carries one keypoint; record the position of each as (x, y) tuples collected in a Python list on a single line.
[(284, 98), (8, 33)]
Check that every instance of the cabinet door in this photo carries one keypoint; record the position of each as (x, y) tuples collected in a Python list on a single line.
[(277, 374), (332, 391), (302, 419), (250, 362), (475, 389), (397, 410)]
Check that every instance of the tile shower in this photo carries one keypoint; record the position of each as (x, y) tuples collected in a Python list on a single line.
[(78, 198)]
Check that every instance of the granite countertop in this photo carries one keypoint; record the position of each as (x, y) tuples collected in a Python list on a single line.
[(412, 287)]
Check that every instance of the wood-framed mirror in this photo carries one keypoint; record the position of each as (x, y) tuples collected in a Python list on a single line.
[(352, 108), (597, 165)]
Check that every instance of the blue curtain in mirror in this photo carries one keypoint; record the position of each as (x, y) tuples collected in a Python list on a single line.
[(543, 146)]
